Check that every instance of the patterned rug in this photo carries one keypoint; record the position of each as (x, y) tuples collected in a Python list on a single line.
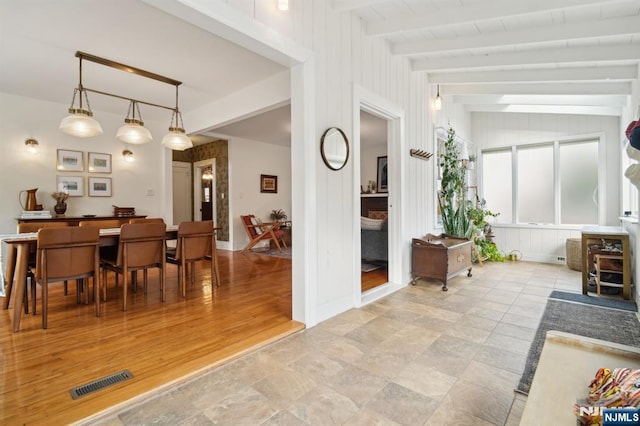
[(612, 325), (285, 253)]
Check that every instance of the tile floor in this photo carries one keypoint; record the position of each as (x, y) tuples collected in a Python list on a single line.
[(418, 357)]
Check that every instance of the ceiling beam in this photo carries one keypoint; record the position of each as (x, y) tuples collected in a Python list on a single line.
[(498, 9), (565, 32), (610, 73), (547, 109), (570, 89), (575, 100), (347, 5), (564, 88), (569, 55)]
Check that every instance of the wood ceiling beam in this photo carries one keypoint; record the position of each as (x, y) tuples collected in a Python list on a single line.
[(486, 11), (547, 109), (564, 88), (571, 55), (608, 73), (565, 32)]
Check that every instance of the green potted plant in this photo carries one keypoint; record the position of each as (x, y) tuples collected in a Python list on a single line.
[(455, 220)]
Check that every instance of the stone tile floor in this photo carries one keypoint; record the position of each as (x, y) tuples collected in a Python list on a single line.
[(418, 357)]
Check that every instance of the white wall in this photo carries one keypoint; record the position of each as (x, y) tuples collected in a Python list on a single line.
[(492, 130), (369, 163), (247, 161), (22, 118)]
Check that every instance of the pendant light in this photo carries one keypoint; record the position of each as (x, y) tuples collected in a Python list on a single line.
[(79, 122), (133, 131), (176, 139), (438, 102)]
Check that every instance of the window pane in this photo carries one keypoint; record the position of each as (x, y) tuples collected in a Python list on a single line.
[(496, 184), (578, 183), (535, 185)]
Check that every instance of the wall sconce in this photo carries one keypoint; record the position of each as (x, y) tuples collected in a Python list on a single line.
[(207, 174), (81, 124), (282, 5), (32, 145), (128, 156), (438, 102)]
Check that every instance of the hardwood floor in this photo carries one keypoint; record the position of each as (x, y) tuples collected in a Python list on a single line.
[(373, 279), (159, 343)]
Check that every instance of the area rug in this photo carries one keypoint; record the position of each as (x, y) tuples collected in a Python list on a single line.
[(585, 320), (625, 305), (368, 267), (285, 253)]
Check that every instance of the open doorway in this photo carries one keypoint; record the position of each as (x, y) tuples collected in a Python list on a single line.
[(389, 176), (204, 190), (374, 206)]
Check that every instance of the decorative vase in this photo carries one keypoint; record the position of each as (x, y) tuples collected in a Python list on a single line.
[(60, 208)]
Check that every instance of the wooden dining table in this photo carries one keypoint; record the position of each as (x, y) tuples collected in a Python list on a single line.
[(18, 260)]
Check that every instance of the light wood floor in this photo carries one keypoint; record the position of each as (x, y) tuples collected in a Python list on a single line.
[(373, 279), (158, 343)]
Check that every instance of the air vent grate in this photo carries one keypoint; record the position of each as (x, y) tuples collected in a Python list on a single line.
[(99, 384)]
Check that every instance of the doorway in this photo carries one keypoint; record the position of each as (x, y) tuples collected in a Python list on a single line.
[(374, 234), (204, 190), (393, 116)]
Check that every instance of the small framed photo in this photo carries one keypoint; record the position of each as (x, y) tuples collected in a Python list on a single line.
[(269, 184), (72, 185), (99, 187), (382, 174), (99, 163), (69, 161)]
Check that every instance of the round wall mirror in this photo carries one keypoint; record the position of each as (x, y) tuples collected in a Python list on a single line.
[(334, 147)]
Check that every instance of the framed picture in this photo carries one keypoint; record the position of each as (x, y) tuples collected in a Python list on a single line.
[(382, 174), (99, 163), (72, 185), (69, 161), (269, 184), (99, 187)]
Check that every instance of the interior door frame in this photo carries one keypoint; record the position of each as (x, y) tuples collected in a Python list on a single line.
[(198, 167), (365, 100)]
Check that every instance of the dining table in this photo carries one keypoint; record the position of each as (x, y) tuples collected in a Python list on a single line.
[(13, 277)]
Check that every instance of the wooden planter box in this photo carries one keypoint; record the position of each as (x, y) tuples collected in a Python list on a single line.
[(440, 257)]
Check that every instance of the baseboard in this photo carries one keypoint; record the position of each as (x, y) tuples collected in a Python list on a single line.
[(379, 292)]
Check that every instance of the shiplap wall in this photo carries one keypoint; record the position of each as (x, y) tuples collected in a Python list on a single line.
[(344, 57), (492, 130)]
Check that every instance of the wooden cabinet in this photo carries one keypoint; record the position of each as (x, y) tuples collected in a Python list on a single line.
[(440, 257), (606, 241), (74, 220), (376, 202)]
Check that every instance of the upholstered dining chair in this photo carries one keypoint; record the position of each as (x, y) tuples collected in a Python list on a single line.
[(68, 253), (259, 231), (23, 228), (140, 246), (107, 252), (196, 241), (146, 220)]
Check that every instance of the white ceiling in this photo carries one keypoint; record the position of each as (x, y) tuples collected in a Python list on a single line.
[(552, 56)]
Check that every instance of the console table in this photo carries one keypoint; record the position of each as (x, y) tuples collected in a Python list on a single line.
[(74, 220), (592, 235)]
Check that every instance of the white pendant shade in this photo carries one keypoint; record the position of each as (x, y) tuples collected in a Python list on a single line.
[(134, 132), (80, 124), (177, 140), (438, 103)]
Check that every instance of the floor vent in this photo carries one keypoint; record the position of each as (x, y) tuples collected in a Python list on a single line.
[(99, 384)]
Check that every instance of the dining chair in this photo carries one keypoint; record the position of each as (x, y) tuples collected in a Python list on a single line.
[(67, 253), (146, 220), (141, 246), (107, 252), (196, 241), (23, 228), (259, 231)]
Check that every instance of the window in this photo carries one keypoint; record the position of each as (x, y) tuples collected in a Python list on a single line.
[(555, 182)]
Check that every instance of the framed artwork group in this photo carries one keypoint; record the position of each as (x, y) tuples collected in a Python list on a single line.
[(73, 161)]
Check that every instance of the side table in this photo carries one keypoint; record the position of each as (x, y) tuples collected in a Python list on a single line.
[(592, 235)]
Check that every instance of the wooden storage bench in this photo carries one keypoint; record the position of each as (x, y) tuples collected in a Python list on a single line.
[(440, 257)]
